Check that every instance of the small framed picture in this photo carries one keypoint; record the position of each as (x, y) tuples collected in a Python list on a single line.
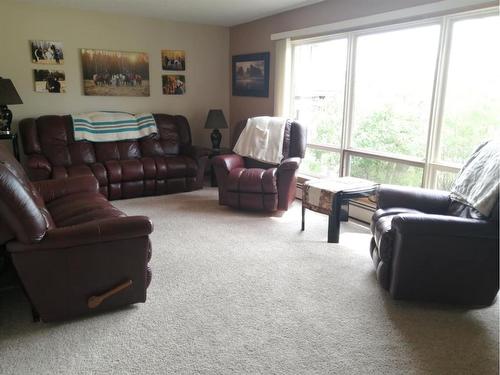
[(51, 81), (46, 52), (173, 59), (174, 84), (251, 75)]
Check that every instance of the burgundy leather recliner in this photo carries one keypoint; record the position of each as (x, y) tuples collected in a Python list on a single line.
[(253, 185), (160, 164), (73, 251)]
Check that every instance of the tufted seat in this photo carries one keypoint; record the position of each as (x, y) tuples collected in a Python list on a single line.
[(160, 164)]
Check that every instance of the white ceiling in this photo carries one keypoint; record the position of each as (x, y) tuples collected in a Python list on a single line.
[(211, 12)]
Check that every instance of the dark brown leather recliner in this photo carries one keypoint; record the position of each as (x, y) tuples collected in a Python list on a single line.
[(252, 185), (423, 249), (69, 244), (160, 164)]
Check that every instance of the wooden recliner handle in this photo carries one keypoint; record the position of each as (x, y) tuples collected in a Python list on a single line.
[(95, 301)]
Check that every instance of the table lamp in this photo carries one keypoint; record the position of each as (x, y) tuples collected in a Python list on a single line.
[(216, 121), (8, 95)]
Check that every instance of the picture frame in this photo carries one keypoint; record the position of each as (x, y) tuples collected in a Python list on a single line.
[(173, 84), (115, 73), (47, 52), (174, 60), (250, 74), (49, 81)]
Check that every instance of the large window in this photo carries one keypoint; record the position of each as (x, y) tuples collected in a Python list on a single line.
[(403, 104)]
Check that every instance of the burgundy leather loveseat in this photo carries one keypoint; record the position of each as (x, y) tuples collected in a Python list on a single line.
[(73, 251), (160, 164)]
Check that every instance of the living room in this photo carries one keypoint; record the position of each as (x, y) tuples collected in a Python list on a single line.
[(189, 247)]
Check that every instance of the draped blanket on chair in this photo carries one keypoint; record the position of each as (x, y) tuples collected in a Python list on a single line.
[(112, 126), (477, 184), (262, 139)]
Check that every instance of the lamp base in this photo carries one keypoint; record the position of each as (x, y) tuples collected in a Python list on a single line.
[(216, 138), (5, 119)]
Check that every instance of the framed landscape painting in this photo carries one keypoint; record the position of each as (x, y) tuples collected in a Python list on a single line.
[(251, 75), (115, 73)]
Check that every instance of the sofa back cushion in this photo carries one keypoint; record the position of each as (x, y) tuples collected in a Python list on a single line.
[(53, 137), (22, 208)]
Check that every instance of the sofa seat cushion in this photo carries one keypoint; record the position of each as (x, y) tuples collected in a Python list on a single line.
[(97, 170), (180, 166), (252, 180), (81, 208)]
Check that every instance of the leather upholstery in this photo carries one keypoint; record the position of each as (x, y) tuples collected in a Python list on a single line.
[(253, 185), (161, 164), (422, 249), (67, 242)]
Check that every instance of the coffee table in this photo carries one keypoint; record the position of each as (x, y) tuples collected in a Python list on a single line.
[(328, 196)]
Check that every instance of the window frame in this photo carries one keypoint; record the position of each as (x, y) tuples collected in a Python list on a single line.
[(430, 163)]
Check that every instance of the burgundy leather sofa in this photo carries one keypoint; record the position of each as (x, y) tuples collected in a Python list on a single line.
[(252, 185), (69, 244), (160, 164), (427, 247)]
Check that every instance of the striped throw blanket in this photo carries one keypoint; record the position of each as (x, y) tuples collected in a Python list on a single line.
[(112, 126)]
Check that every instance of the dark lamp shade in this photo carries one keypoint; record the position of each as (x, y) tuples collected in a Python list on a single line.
[(8, 93), (215, 120)]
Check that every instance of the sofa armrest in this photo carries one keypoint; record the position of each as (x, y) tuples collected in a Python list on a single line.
[(289, 164), (53, 189), (425, 200), (228, 162), (443, 226), (103, 230), (38, 167)]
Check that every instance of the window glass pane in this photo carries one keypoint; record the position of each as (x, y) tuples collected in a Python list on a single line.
[(318, 89), (472, 99), (445, 179), (386, 172), (394, 77), (320, 163)]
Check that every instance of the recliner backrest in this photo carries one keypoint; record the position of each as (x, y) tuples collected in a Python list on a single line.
[(294, 142), (22, 208)]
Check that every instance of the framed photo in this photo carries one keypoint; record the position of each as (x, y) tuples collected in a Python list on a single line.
[(115, 73), (52, 81), (251, 75), (173, 59), (174, 84), (46, 52)]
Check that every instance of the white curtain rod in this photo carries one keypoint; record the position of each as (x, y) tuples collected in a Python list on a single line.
[(381, 18)]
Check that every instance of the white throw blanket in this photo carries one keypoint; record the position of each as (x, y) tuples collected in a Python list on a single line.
[(112, 126), (262, 139), (477, 184)]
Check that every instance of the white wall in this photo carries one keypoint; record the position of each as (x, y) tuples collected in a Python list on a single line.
[(207, 61)]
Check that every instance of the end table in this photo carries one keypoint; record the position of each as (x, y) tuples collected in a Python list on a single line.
[(327, 196), (15, 145)]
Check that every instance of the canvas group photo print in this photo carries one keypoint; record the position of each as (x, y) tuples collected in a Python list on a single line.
[(46, 52), (173, 59), (50, 81), (174, 84), (115, 73)]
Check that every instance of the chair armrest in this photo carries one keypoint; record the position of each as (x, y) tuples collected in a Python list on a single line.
[(38, 167), (443, 226), (425, 200), (228, 162), (195, 152), (289, 164), (53, 189), (103, 230)]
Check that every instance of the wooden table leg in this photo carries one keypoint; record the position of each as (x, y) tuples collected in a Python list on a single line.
[(303, 218), (334, 220)]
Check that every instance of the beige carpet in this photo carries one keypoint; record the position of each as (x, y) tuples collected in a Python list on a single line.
[(242, 293)]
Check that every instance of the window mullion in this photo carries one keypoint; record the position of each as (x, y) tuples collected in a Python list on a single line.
[(438, 95), (348, 107)]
